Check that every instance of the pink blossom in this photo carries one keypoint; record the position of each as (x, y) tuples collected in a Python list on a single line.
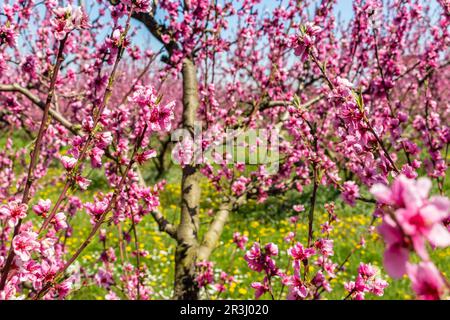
[(205, 274), (165, 38), (111, 295), (157, 116), (67, 19), (271, 249), (426, 280), (42, 207), (60, 221), (64, 288), (96, 155), (293, 219), (104, 139), (298, 252), (297, 287), (139, 5), (416, 217), (142, 157), (82, 182), (144, 96), (259, 261), (97, 208), (325, 247), (396, 254), (104, 278), (68, 162), (183, 153), (161, 117), (240, 240), (260, 288), (289, 237), (13, 211), (326, 227), (7, 35), (304, 42), (320, 281), (350, 192), (239, 186), (47, 248), (102, 235), (297, 291), (367, 281), (24, 244)]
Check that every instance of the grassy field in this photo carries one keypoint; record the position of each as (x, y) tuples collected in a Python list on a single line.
[(268, 222), (260, 222)]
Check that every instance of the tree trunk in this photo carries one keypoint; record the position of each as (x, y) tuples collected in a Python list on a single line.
[(185, 287)]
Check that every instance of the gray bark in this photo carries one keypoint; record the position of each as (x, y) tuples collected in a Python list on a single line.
[(185, 287)]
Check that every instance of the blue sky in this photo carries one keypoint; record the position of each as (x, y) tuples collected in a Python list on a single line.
[(344, 8), (144, 40)]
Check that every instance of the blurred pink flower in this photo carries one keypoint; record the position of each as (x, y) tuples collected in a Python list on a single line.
[(426, 280)]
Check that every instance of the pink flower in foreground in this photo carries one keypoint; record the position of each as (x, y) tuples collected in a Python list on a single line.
[(260, 288), (427, 282), (42, 207), (82, 182), (142, 157), (297, 288), (60, 221), (68, 162), (161, 117), (325, 247), (165, 38), (259, 261), (67, 19), (96, 155), (300, 253), (13, 211), (97, 208), (396, 254), (271, 249), (304, 42), (417, 219), (24, 244)]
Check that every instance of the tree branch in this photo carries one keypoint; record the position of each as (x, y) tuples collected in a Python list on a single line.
[(164, 225), (274, 104), (214, 232), (34, 99)]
